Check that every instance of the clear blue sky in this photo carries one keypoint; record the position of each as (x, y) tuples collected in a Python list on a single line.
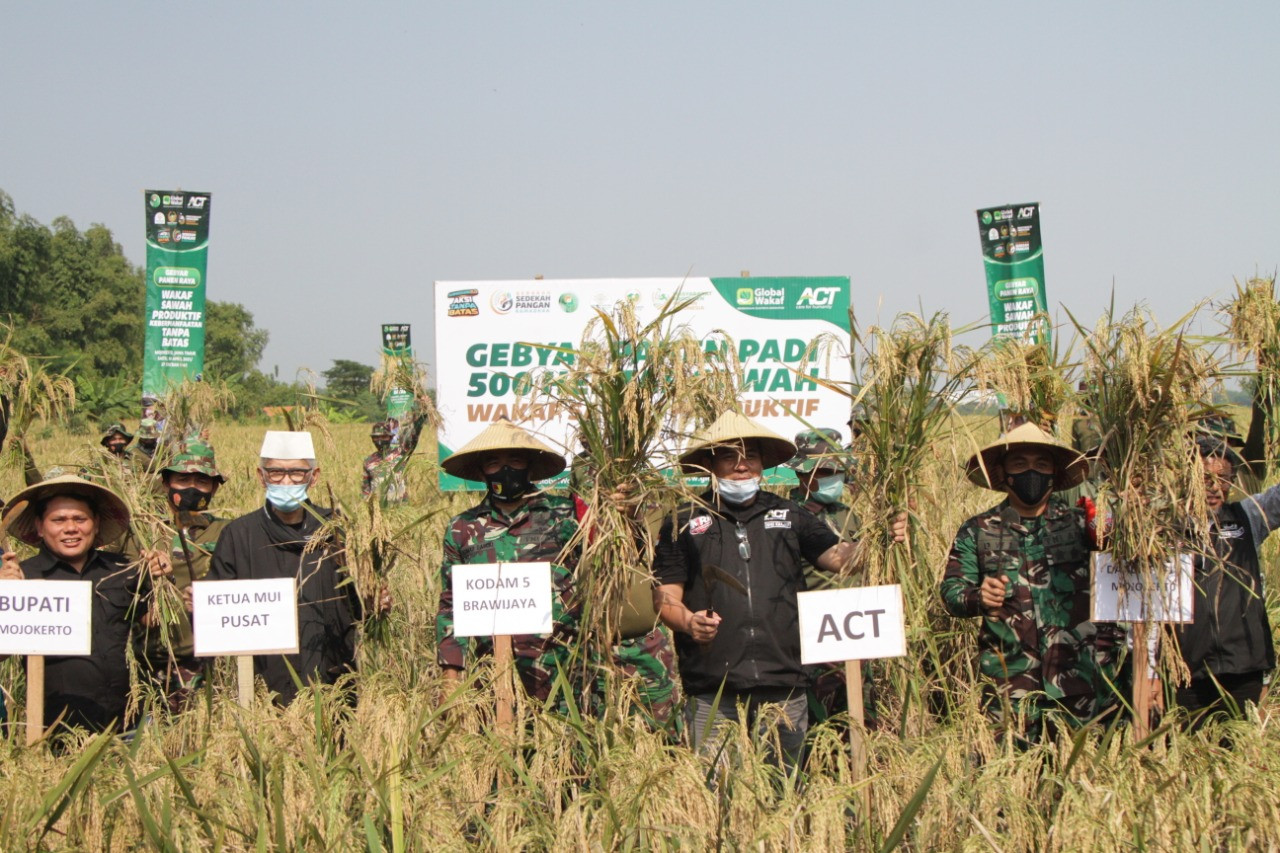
[(358, 151)]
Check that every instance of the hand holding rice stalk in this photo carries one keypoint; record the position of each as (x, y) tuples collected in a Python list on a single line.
[(1254, 326), (1148, 386), (637, 389), (402, 373), (1027, 374)]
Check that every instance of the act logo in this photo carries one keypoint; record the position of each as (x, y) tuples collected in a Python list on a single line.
[(1026, 212), (818, 297), (746, 296), (197, 201)]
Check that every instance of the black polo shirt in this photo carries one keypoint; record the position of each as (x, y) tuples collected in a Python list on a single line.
[(758, 643), (92, 690)]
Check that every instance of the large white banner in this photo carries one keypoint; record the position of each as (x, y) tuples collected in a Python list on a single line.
[(486, 331)]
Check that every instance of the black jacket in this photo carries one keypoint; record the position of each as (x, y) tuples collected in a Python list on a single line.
[(257, 546), (758, 643)]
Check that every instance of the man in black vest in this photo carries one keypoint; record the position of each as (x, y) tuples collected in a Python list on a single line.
[(1228, 648)]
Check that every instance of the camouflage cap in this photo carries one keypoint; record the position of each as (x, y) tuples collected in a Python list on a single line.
[(148, 430), (1221, 426), (116, 429), (195, 457), (380, 430), (818, 448)]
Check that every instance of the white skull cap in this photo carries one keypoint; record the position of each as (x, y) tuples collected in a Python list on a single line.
[(280, 444)]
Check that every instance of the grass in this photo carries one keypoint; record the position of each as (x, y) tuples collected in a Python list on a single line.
[(418, 765)]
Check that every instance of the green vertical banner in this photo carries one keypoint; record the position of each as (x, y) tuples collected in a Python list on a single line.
[(177, 253), (396, 345), (1014, 260)]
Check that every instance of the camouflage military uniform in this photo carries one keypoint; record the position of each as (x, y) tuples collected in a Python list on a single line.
[(648, 663), (180, 670), (538, 532), (384, 470), (1041, 652)]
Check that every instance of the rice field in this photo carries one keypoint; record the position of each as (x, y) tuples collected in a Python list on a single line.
[(416, 765)]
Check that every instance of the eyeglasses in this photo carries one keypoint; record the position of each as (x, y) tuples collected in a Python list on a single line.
[(744, 547), (279, 475)]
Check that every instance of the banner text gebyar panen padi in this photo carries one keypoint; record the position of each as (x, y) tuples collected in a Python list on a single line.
[(539, 365), (177, 257)]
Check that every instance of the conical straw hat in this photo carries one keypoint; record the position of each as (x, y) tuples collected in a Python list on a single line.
[(733, 428), (1072, 466), (113, 514), (503, 435)]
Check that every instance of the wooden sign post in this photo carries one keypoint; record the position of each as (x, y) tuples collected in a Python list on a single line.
[(1120, 595), (245, 618), (853, 625)]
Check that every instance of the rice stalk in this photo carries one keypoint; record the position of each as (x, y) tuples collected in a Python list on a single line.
[(1148, 386), (1253, 323), (28, 392), (190, 407), (1028, 376), (401, 373), (637, 389)]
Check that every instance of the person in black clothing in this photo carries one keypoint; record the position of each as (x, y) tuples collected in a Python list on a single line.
[(68, 518), (1228, 647), (277, 541), (728, 570)]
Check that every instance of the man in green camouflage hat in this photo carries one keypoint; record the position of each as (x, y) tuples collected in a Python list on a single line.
[(148, 441), (384, 468), (115, 438), (821, 465), (190, 480), (1023, 567)]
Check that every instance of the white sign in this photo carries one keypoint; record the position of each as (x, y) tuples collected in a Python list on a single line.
[(495, 599), (1121, 596), (858, 623), (496, 339), (45, 617), (251, 617)]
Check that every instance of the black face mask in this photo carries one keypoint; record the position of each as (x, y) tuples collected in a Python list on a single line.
[(509, 484), (189, 499), (1030, 486)]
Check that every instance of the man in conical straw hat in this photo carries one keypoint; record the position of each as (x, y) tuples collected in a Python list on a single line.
[(287, 537), (515, 522), (1023, 566), (67, 519), (728, 570)]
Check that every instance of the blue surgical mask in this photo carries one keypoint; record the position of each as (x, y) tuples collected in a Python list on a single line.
[(286, 497), (738, 491), (829, 490)]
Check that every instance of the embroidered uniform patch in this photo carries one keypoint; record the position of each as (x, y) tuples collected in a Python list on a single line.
[(701, 524)]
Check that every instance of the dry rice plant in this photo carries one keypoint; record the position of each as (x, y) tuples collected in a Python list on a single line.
[(1029, 377), (1253, 323), (637, 389), (1148, 386), (189, 408), (402, 373), (31, 393)]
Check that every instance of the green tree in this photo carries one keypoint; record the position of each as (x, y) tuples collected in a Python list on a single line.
[(232, 344), (347, 379)]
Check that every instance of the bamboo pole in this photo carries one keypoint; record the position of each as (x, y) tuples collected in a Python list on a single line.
[(504, 684), (244, 680), (1141, 683), (35, 699)]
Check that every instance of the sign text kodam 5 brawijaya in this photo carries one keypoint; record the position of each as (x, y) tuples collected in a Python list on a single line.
[(496, 339), (177, 258)]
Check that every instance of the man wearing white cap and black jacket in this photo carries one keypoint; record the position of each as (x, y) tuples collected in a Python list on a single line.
[(728, 572), (275, 541)]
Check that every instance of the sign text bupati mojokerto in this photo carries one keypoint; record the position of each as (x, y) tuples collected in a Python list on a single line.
[(494, 337), (1125, 596), (397, 345), (858, 623), (1013, 257), (45, 617), (496, 599), (177, 258), (244, 617)]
